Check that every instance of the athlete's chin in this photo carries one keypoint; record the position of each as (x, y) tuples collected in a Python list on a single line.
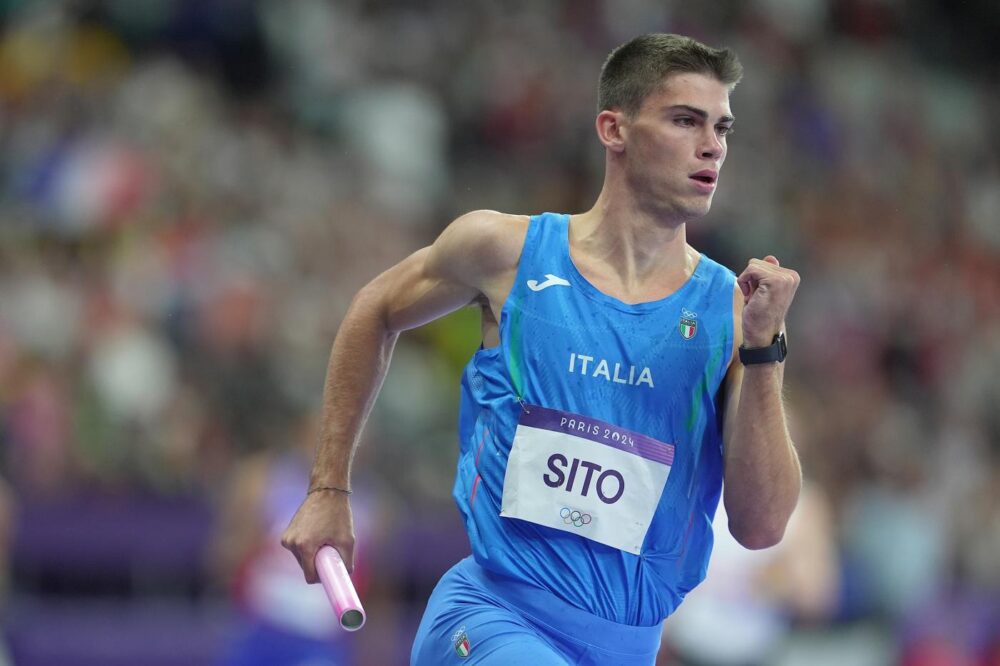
[(694, 208), (680, 209)]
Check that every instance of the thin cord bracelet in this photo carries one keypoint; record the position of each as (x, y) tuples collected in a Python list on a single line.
[(334, 488)]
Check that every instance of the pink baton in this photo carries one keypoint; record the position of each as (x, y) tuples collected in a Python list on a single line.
[(339, 588)]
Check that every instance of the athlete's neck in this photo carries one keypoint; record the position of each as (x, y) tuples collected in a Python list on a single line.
[(633, 244)]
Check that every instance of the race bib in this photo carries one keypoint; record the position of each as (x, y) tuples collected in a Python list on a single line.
[(585, 476)]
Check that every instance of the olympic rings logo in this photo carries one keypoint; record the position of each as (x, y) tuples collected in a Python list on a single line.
[(574, 517)]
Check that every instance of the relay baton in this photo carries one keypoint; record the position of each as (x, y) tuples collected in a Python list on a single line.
[(339, 589)]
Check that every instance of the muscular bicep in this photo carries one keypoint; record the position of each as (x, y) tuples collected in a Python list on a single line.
[(734, 376), (734, 380), (415, 291), (465, 264)]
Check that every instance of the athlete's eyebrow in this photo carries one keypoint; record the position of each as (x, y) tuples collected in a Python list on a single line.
[(701, 113)]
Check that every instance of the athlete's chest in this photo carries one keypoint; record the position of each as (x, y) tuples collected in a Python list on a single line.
[(570, 339), (659, 285)]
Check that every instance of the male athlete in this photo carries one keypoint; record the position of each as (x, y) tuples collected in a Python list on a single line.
[(623, 377)]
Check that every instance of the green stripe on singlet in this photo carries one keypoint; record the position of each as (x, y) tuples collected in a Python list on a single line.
[(714, 362), (696, 401), (515, 355)]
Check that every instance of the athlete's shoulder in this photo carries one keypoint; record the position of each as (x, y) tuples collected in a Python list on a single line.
[(488, 239), (490, 226)]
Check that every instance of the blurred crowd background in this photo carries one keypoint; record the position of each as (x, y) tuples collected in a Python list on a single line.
[(191, 191)]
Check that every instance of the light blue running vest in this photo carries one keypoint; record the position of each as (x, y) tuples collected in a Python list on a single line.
[(631, 380)]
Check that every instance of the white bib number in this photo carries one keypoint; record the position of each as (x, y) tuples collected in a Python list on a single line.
[(585, 476)]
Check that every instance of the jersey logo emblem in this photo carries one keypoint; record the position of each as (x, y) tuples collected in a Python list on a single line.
[(550, 281), (460, 640), (688, 325)]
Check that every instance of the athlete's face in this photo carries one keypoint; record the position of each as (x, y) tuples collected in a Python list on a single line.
[(676, 143)]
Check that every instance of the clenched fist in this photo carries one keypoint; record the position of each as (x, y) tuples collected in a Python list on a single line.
[(768, 290), (323, 519)]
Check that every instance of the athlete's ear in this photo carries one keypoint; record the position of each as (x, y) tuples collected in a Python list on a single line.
[(611, 130)]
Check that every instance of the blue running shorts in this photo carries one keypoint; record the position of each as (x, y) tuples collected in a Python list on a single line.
[(478, 617)]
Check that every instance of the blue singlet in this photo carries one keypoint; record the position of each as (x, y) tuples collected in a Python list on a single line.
[(590, 465)]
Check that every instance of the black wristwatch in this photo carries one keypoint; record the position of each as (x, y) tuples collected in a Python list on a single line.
[(775, 352)]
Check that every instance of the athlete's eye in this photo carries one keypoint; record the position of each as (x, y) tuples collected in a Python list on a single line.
[(724, 130), (684, 121)]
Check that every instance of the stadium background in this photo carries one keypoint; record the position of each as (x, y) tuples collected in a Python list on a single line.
[(191, 192)]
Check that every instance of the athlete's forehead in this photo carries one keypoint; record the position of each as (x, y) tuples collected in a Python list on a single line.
[(698, 94)]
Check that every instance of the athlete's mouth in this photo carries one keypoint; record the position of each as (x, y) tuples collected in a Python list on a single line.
[(706, 176)]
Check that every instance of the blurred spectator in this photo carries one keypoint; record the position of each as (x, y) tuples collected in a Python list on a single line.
[(282, 619), (761, 601), (753, 598), (8, 510)]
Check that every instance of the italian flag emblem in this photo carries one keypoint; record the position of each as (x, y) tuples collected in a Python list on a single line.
[(688, 327), (462, 646)]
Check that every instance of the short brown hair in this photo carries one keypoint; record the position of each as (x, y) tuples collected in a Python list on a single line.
[(634, 69)]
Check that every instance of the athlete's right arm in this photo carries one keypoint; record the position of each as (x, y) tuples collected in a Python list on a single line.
[(472, 256)]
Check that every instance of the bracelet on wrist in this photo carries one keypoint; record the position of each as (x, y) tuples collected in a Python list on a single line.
[(331, 488)]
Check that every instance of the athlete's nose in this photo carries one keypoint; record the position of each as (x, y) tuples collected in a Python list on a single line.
[(712, 147)]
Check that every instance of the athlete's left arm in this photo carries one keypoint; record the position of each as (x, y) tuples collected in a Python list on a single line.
[(762, 473)]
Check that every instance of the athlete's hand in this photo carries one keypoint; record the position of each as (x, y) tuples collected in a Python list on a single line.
[(323, 519), (768, 290)]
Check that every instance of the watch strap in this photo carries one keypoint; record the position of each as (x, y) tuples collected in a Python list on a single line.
[(773, 353)]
